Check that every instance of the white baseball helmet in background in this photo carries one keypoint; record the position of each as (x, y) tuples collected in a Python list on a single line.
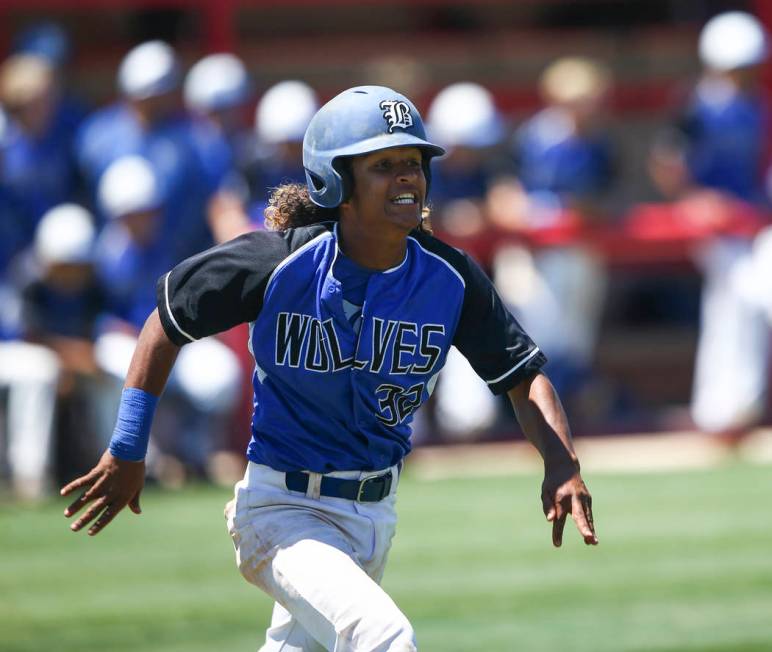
[(128, 186), (149, 70), (284, 111), (732, 40), (218, 81), (65, 234), (464, 114)]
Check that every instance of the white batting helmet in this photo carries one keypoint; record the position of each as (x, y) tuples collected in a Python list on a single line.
[(65, 234), (219, 81), (128, 186), (148, 70), (731, 40), (284, 112), (464, 114)]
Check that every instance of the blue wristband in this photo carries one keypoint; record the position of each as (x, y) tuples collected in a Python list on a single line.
[(132, 428)]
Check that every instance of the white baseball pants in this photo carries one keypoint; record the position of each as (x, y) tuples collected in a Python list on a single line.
[(730, 376), (321, 560)]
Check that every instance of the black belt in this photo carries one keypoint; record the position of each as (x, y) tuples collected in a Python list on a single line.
[(368, 490)]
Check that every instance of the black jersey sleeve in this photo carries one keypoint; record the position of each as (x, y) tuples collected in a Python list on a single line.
[(221, 287), (496, 346)]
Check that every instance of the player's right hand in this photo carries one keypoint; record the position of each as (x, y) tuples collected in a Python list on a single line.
[(110, 486)]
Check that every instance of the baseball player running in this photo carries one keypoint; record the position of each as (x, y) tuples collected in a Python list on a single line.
[(353, 306)]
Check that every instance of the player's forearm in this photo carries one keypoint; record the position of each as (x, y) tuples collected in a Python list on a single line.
[(543, 420), (153, 358)]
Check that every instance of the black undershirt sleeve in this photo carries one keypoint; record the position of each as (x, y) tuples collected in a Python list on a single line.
[(224, 286)]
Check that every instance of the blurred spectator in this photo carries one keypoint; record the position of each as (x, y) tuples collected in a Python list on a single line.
[(563, 153), (49, 41), (281, 118), (148, 121), (16, 229), (131, 256), (62, 305), (38, 161), (464, 119), (217, 90), (718, 142), (564, 161), (45, 39), (713, 158)]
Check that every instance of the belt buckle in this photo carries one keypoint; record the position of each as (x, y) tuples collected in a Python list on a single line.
[(386, 478)]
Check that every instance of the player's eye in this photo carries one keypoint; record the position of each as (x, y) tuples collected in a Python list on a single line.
[(383, 164)]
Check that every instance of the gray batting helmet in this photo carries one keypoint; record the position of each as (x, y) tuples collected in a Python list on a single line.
[(360, 120)]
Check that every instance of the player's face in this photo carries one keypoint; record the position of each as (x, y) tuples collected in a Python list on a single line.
[(389, 187)]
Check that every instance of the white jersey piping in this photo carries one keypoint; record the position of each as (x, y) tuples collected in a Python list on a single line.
[(169, 309), (515, 368), (292, 256), (441, 259)]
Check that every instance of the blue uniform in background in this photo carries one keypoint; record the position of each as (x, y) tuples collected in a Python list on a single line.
[(448, 184), (726, 134), (128, 272), (332, 392), (42, 172), (552, 158), (170, 147), (263, 176)]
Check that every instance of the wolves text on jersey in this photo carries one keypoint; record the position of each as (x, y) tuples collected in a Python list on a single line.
[(399, 347)]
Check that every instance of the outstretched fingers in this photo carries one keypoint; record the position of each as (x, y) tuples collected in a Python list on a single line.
[(90, 514), (581, 511), (93, 492), (558, 524), (106, 516), (82, 481)]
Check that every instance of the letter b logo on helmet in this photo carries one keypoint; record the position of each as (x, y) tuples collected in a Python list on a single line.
[(358, 121), (397, 114)]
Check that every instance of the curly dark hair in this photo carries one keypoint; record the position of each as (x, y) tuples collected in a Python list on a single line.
[(290, 206)]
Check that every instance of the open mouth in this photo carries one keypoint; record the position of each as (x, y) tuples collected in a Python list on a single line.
[(405, 199)]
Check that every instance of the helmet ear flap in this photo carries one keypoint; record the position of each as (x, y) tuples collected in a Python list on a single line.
[(342, 166), (315, 181)]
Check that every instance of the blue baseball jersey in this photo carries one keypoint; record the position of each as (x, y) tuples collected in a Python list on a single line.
[(552, 157), (726, 133), (331, 395)]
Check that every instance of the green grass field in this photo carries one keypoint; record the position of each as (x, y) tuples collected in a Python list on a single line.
[(685, 563)]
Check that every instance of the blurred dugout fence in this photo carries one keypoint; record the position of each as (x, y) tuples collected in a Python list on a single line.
[(420, 46)]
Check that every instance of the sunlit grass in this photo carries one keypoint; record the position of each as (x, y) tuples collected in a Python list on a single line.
[(685, 563)]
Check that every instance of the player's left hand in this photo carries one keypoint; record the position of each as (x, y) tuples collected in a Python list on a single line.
[(563, 492)]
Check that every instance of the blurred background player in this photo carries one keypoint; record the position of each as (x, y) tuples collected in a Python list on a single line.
[(62, 305), (148, 121), (462, 118), (131, 250), (564, 162), (281, 117), (711, 163), (217, 93), (55, 360), (38, 162)]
